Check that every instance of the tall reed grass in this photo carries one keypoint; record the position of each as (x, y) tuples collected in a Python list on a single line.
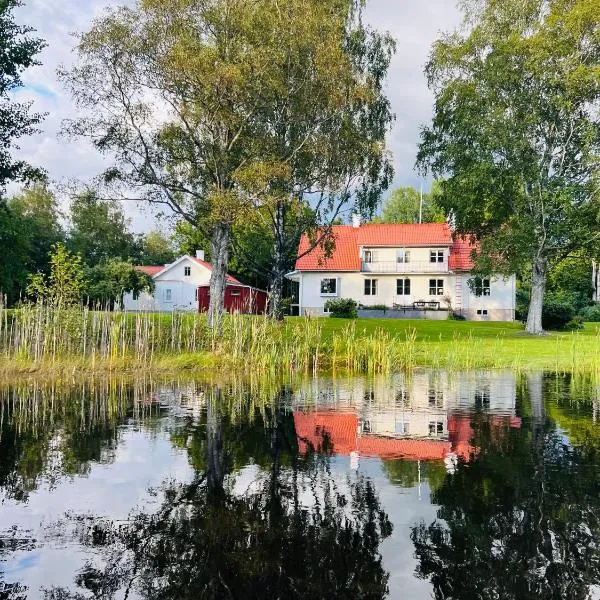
[(39, 337)]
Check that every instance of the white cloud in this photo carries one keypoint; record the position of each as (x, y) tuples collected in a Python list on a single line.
[(415, 25)]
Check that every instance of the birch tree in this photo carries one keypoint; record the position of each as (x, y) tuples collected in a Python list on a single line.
[(516, 133), (197, 101)]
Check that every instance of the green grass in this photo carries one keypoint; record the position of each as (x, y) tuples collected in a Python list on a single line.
[(45, 340), (448, 344)]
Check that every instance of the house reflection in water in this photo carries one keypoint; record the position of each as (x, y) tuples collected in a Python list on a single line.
[(425, 416)]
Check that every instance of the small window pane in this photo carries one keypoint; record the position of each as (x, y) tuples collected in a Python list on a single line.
[(329, 286), (187, 271), (370, 287)]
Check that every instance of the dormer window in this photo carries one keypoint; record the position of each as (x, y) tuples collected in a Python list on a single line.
[(436, 256), (187, 271), (368, 256)]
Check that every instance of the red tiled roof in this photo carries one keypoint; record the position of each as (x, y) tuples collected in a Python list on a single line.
[(230, 279), (342, 430), (404, 235), (460, 255), (345, 255), (149, 269), (348, 239)]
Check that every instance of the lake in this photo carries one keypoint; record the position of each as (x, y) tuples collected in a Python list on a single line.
[(482, 485)]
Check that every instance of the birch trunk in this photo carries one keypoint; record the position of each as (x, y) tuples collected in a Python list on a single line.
[(538, 288), (218, 278), (279, 267)]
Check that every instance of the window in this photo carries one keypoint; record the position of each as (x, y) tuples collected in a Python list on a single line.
[(168, 295), (402, 397), (236, 292), (402, 428), (370, 287), (187, 271), (436, 256), (403, 256), (480, 286), (482, 311), (368, 256), (136, 294), (328, 287), (403, 287), (435, 398), (436, 427), (436, 287)]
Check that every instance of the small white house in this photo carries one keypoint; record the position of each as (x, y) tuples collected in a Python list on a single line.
[(414, 270), (175, 285)]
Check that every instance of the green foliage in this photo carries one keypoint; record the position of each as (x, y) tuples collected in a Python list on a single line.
[(591, 313), (109, 281), (99, 230), (403, 206), (154, 248), (515, 133), (65, 285), (18, 53), (231, 147), (342, 308), (573, 276), (558, 312), (39, 215)]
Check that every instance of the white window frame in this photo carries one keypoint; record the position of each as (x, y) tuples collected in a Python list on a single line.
[(403, 256), (403, 281), (328, 294), (438, 289), (368, 256), (437, 256), (372, 287), (187, 271), (482, 286), (168, 295)]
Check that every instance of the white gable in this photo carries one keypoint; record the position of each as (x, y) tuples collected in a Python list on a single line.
[(185, 269)]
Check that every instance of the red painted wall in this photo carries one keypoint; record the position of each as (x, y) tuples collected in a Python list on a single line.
[(238, 298)]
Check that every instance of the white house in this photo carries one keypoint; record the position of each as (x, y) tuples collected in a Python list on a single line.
[(175, 285), (417, 269)]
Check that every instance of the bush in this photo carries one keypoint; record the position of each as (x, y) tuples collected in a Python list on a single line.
[(342, 308), (558, 312), (382, 307), (591, 313), (452, 316)]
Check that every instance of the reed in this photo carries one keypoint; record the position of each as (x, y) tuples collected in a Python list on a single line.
[(42, 338)]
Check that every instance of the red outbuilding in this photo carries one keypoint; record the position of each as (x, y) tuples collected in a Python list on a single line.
[(239, 298)]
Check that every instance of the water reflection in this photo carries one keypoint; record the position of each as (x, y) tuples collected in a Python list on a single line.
[(429, 485)]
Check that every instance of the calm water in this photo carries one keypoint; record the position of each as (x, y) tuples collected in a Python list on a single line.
[(472, 486)]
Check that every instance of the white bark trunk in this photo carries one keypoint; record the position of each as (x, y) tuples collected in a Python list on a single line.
[(538, 289), (279, 267), (218, 279)]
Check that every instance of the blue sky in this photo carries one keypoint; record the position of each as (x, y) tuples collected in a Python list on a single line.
[(414, 24)]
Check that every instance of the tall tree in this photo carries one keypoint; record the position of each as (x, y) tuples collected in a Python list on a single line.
[(213, 106), (99, 230), (154, 248), (40, 216), (516, 132), (408, 205), (18, 53)]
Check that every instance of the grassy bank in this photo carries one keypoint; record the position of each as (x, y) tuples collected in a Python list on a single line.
[(40, 339)]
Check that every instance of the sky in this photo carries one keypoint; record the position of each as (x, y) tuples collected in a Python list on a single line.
[(415, 24)]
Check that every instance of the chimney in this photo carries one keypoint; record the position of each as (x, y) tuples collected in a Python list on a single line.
[(200, 254), (355, 220)]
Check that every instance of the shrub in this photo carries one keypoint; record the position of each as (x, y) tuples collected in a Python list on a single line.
[(591, 313), (453, 316), (342, 308), (558, 312), (574, 324), (382, 307)]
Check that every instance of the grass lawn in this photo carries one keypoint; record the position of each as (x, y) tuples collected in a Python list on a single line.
[(459, 344)]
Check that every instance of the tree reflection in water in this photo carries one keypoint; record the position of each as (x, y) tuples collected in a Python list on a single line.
[(295, 532), (521, 520)]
